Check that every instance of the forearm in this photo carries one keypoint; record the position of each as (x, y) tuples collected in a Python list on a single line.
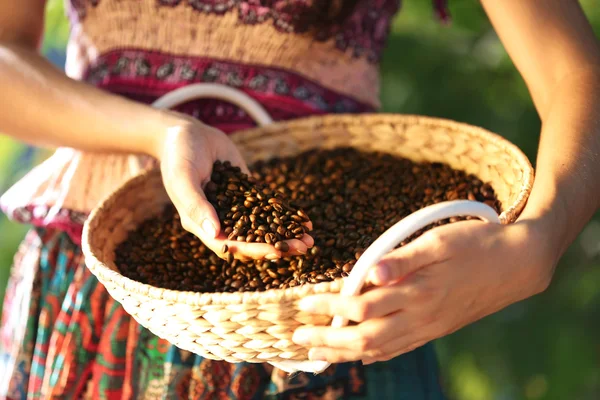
[(555, 49), (566, 191), (41, 105)]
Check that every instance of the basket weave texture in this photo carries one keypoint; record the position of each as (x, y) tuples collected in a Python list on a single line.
[(258, 326)]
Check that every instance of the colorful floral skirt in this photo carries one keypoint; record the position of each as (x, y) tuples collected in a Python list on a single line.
[(64, 337)]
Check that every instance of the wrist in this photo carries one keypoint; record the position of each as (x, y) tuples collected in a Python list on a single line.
[(537, 257), (548, 223), (164, 125)]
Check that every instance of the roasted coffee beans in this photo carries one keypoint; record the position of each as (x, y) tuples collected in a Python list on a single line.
[(252, 212), (351, 197)]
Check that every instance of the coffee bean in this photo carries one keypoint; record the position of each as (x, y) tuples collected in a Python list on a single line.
[(236, 284), (303, 215), (242, 202), (270, 238), (180, 256), (282, 246), (351, 196)]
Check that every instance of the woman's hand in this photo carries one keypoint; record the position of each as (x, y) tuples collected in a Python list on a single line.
[(187, 152), (449, 277)]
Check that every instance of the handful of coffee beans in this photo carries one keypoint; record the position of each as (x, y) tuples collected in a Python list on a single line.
[(351, 197), (250, 211)]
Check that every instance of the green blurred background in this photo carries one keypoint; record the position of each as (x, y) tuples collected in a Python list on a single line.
[(547, 347)]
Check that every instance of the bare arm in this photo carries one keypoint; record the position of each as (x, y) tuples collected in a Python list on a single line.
[(554, 48), (41, 105), (459, 273)]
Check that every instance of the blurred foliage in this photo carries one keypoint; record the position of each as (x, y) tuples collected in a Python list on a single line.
[(544, 348)]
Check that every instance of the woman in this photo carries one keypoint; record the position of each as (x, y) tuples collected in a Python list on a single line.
[(63, 336)]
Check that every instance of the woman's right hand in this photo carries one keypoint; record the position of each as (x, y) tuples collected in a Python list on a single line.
[(187, 152)]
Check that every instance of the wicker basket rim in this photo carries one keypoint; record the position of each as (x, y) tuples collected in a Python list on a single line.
[(270, 296)]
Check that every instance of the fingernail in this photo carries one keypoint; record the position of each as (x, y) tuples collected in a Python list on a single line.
[(301, 337), (272, 256), (316, 355), (209, 228), (308, 305), (301, 251)]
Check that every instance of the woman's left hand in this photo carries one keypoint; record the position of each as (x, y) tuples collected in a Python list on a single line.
[(449, 277)]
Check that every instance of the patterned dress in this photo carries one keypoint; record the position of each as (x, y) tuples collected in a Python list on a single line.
[(62, 336)]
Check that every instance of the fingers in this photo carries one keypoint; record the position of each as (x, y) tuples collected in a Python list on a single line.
[(254, 251), (242, 250), (395, 350), (372, 304), (198, 216), (259, 251), (374, 340), (428, 249), (358, 337), (335, 356), (308, 241), (369, 339), (296, 247), (369, 351)]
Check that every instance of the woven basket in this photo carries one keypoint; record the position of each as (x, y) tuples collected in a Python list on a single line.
[(258, 326)]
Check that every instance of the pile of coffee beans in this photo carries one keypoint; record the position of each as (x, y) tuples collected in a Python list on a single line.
[(351, 197), (252, 212)]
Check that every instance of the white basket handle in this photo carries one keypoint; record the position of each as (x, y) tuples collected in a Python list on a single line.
[(384, 244), (215, 91), (202, 91)]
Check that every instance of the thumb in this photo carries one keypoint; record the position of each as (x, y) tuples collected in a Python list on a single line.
[(396, 265), (198, 216)]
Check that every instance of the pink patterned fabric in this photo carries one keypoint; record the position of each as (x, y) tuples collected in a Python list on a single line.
[(359, 25), (144, 76)]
